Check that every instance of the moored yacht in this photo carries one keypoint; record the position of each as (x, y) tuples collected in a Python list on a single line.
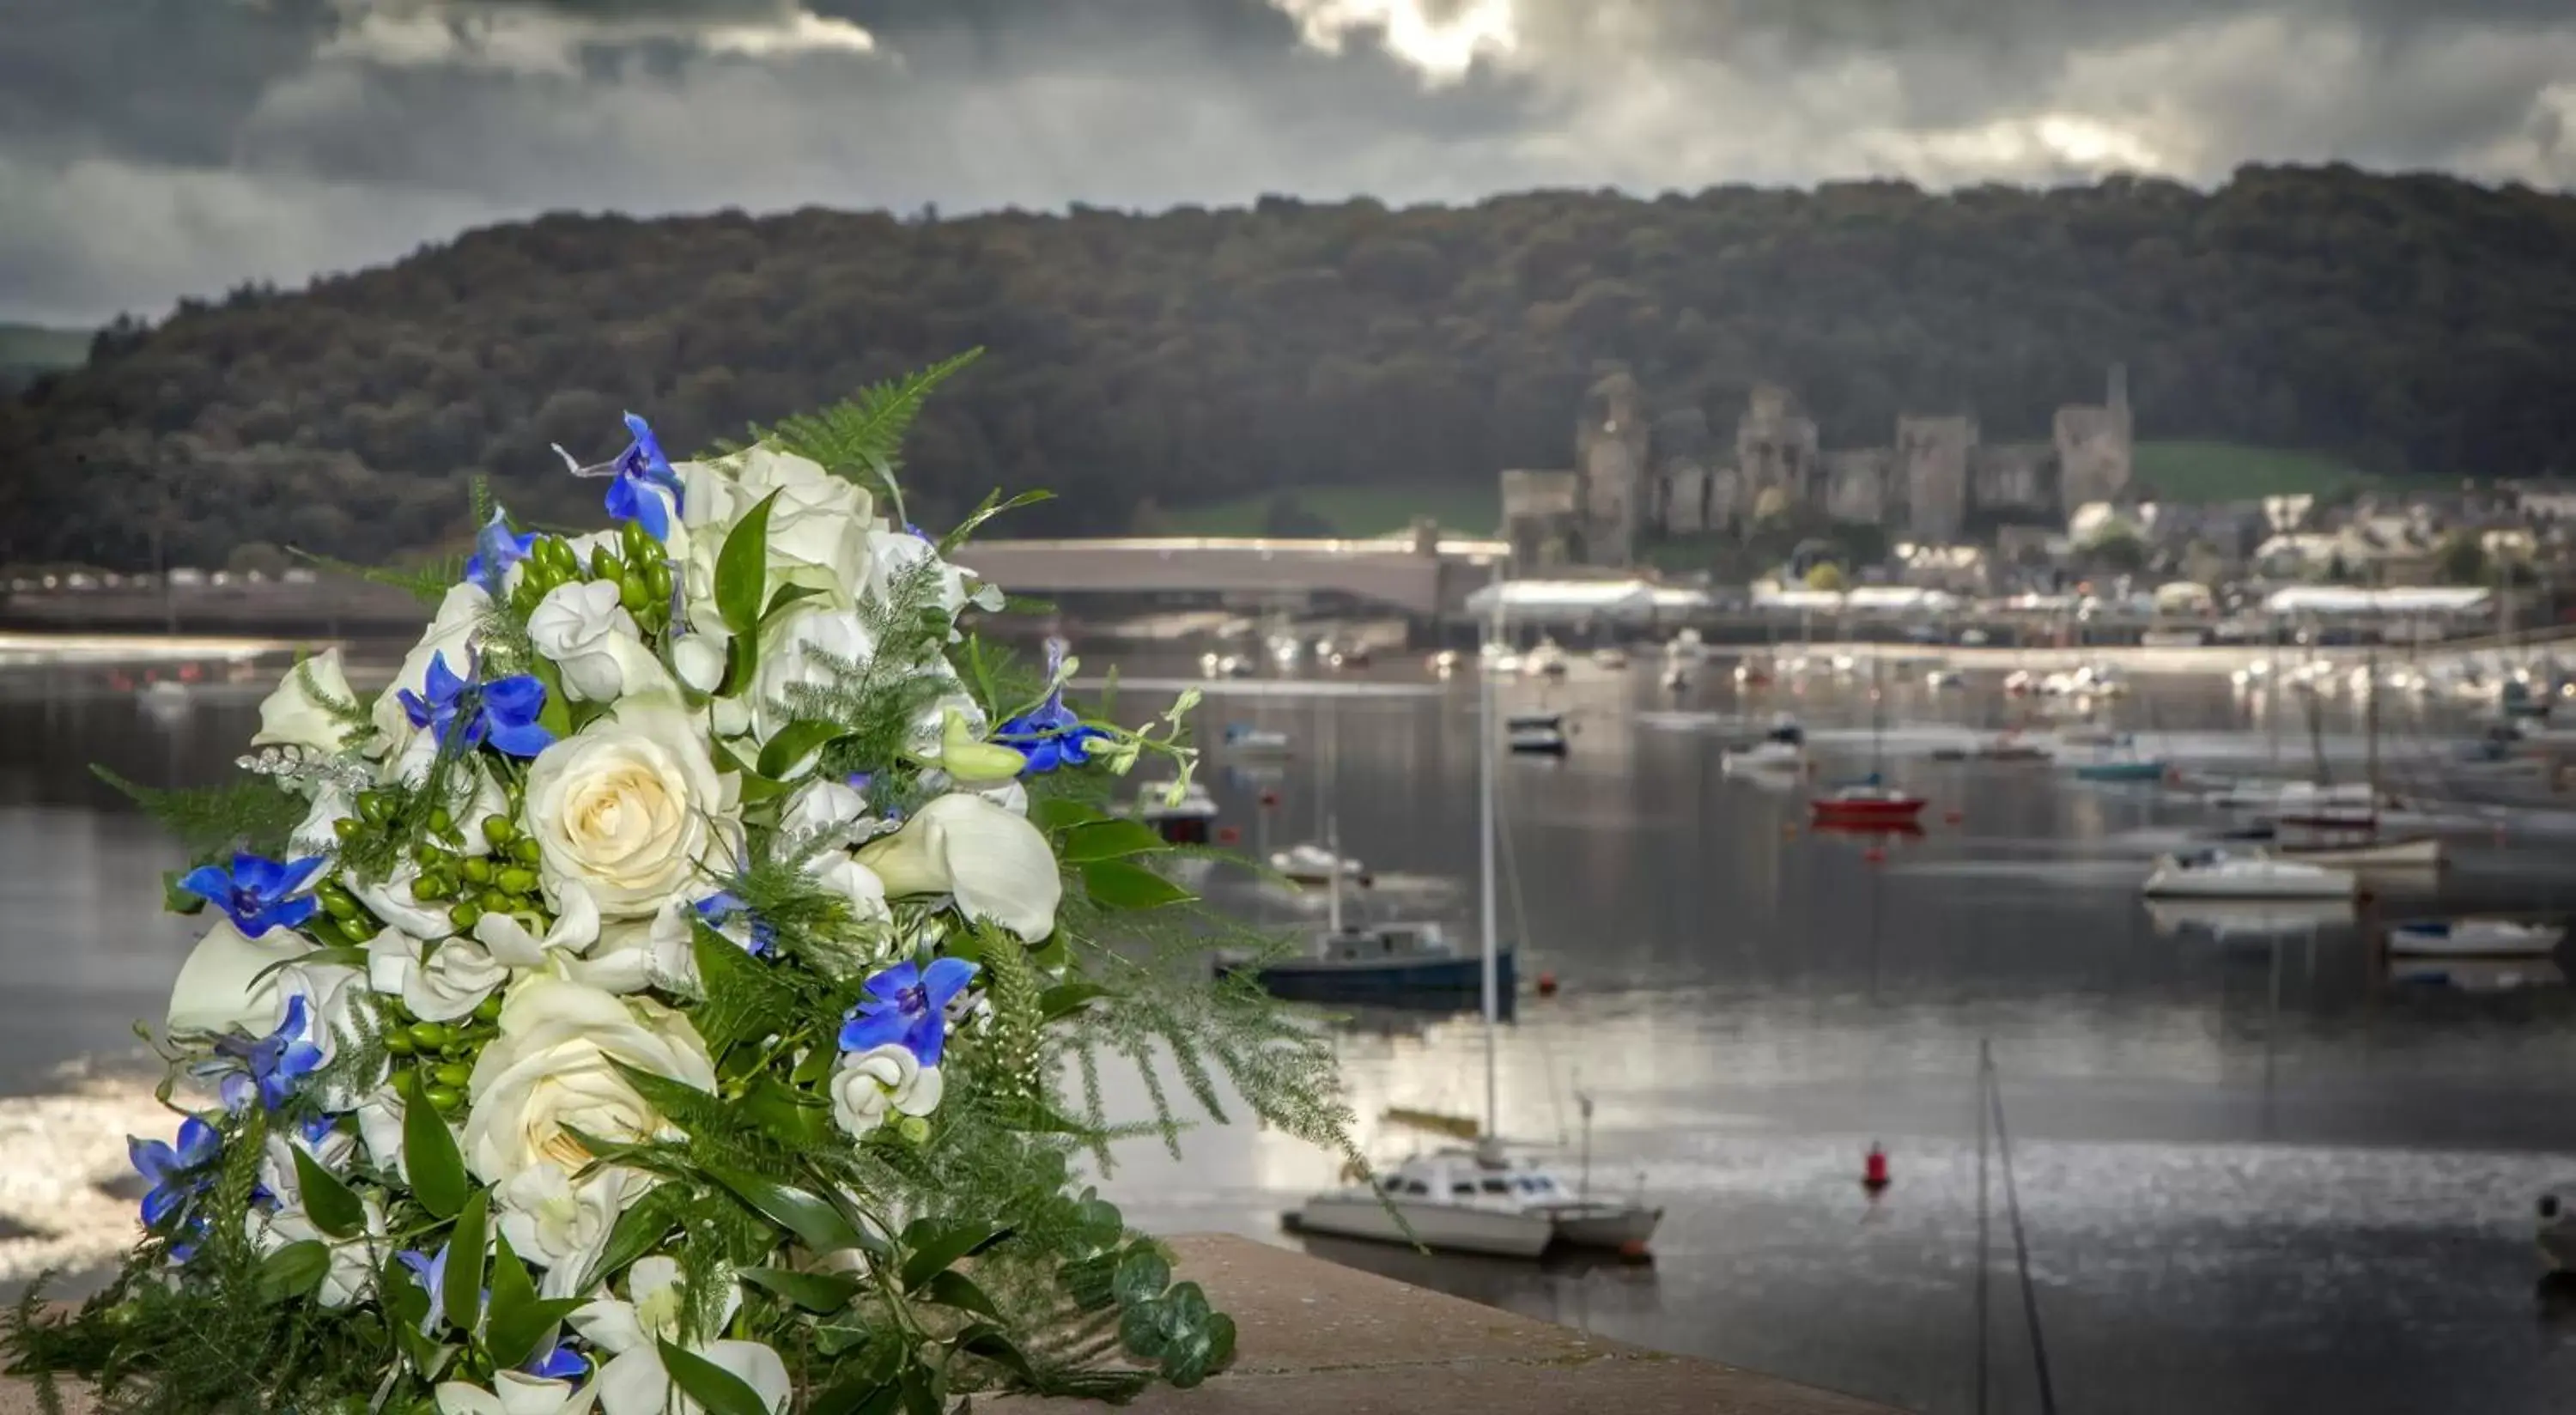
[(1477, 1200), (1782, 749)]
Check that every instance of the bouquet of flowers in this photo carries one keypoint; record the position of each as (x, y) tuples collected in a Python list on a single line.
[(657, 998)]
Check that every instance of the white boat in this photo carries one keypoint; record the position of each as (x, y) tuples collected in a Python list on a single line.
[(1253, 741), (2230, 919), (1782, 750), (2216, 874), (1537, 734), (1676, 677), (1940, 678), (1309, 863), (1443, 663), (2019, 682), (1686, 647), (2474, 938), (2422, 852), (1477, 1201), (2476, 974), (1611, 657), (1545, 661)]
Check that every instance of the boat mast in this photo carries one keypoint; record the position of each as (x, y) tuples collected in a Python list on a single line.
[(1485, 861), (1333, 892)]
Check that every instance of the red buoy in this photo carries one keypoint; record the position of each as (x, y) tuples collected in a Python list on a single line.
[(1873, 1171), (1547, 984), (1954, 817), (1269, 799), (1228, 835), (1874, 855)]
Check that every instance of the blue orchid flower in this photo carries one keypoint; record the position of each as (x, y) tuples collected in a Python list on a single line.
[(1049, 735), (257, 893), (469, 713), (496, 549), (178, 1172), (268, 1069), (907, 1005), (723, 909), (561, 1364), (185, 1240)]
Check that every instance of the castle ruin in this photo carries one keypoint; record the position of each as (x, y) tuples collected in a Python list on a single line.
[(1639, 475)]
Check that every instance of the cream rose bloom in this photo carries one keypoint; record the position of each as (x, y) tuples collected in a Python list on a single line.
[(549, 1069), (630, 808), (294, 717), (870, 1086), (589, 636), (818, 526)]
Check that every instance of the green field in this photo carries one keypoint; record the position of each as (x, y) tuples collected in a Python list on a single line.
[(1353, 511), (2235, 471)]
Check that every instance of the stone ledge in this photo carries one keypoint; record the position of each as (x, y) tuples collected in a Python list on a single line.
[(1315, 1336)]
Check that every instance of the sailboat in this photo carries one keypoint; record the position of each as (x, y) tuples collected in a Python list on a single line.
[(1396, 963), (2346, 832), (1868, 801), (1475, 1197)]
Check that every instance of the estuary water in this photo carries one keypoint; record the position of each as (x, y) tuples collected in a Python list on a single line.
[(2256, 1170)]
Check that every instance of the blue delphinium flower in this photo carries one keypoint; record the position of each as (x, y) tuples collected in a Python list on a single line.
[(1049, 735), (639, 478), (907, 1005), (467, 712), (178, 1172), (561, 1364), (432, 1272), (258, 893), (496, 549), (722, 910), (268, 1068)]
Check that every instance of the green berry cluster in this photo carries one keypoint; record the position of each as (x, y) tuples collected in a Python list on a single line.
[(637, 565), (443, 1053), (503, 882), (342, 922)]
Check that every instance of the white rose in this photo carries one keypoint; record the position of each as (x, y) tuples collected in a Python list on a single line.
[(294, 717), (590, 636), (451, 981), (794, 653), (629, 808), (233, 982), (380, 1129), (549, 1069), (451, 633), (995, 864), (818, 525), (870, 1085), (562, 1225)]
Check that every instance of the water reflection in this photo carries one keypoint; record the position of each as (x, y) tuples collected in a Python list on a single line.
[(2263, 1167)]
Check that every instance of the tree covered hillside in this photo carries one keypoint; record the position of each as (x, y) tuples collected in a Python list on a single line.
[(2415, 325)]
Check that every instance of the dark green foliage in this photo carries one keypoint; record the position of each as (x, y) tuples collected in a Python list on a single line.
[(2408, 323), (210, 822)]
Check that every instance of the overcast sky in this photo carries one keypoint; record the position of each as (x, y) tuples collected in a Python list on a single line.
[(155, 148)]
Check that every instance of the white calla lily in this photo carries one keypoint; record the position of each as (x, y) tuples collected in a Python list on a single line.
[(634, 1381), (517, 1393), (576, 928), (995, 864), (231, 981)]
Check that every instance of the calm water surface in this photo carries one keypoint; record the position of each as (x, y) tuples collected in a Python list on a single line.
[(2256, 1174)]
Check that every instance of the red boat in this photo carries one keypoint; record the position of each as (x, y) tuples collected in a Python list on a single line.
[(1866, 803)]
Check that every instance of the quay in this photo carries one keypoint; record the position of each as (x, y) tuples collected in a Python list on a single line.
[(1315, 1336)]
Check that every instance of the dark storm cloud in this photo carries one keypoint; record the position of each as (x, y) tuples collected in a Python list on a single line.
[(150, 148)]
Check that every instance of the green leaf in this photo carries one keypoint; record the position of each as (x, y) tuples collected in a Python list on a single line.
[(792, 1117), (1117, 884), (408, 1305), (792, 744), (742, 660), (1189, 1358), (332, 1205), (934, 1246), (860, 1396), (555, 713), (815, 1292), (990, 509), (1097, 1222), (787, 595), (920, 1391), (175, 900), (955, 1289), (639, 1230), (719, 1390), (1054, 813), (1067, 997), (1140, 1330), (520, 1321), (430, 1157), (742, 569), (1142, 1276), (293, 1271), (1110, 840), (993, 1344), (816, 1224), (462, 1295)]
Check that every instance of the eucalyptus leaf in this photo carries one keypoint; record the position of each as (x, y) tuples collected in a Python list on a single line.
[(293, 1271), (431, 1160), (1142, 1275)]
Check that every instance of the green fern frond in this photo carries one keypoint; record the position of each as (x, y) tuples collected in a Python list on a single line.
[(249, 814), (865, 433), (428, 582)]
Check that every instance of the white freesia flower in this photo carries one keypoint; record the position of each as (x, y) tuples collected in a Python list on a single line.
[(630, 808), (793, 654), (230, 981), (549, 1069), (995, 863), (390, 899), (871, 1085), (595, 642), (351, 1277), (450, 632), (633, 1382), (517, 1393), (294, 717), (563, 1225), (449, 982), (576, 928)]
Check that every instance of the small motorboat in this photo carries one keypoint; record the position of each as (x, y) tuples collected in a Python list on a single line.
[(1255, 741), (1541, 734), (2097, 738), (1477, 1201), (1939, 679), (2474, 938), (1445, 662), (2011, 746), (2122, 769), (2475, 974), (1610, 657), (1686, 647), (1782, 749), (1867, 802), (2219, 874), (2019, 683), (1545, 661), (1309, 863), (1182, 822)]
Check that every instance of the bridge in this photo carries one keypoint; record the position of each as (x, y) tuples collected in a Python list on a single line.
[(1421, 576)]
